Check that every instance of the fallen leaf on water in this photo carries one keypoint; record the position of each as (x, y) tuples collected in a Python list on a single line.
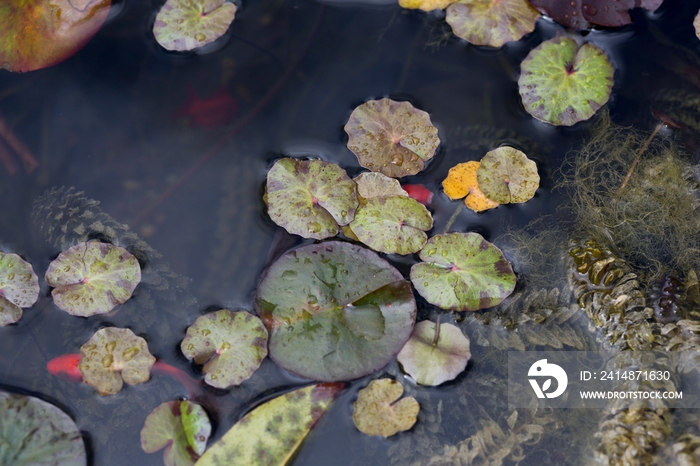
[(461, 182), (491, 23), (188, 24), (425, 5), (19, 287), (376, 411), (506, 175)]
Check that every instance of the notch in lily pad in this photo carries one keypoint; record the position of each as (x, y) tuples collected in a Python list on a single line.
[(393, 138), (376, 411), (491, 23), (505, 175), (19, 287), (561, 83), (461, 181), (183, 25), (231, 346)]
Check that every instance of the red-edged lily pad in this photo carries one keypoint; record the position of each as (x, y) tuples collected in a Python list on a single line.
[(491, 23), (376, 411), (19, 287), (505, 175), (187, 24)]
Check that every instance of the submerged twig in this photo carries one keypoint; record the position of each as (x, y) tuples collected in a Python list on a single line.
[(30, 163), (454, 216), (636, 159)]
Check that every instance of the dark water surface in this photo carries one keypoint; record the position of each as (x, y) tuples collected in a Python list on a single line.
[(102, 122)]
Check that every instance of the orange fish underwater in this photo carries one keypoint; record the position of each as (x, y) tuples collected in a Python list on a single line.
[(215, 110), (419, 192)]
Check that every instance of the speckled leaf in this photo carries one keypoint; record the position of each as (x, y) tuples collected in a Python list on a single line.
[(373, 184), (376, 411), (272, 433), (462, 272), (113, 356), (19, 287), (461, 182), (394, 225), (310, 198), (390, 137), (485, 22), (506, 175), (231, 345), (563, 84), (36, 433), (181, 427), (433, 364), (187, 24), (425, 5), (335, 311), (91, 278)]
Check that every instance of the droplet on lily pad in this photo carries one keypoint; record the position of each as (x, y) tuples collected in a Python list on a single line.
[(506, 176), (19, 287), (372, 184), (562, 84), (376, 411), (491, 23), (461, 182), (188, 24), (462, 272), (113, 356), (91, 278), (230, 345), (393, 138)]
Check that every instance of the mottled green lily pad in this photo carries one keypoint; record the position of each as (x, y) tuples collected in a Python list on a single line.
[(372, 184), (230, 345), (491, 23), (506, 175), (563, 84), (91, 278), (390, 137), (272, 433), (19, 287), (394, 225), (187, 24), (310, 198), (181, 427), (335, 311), (36, 433), (376, 411), (462, 272), (113, 356), (430, 361)]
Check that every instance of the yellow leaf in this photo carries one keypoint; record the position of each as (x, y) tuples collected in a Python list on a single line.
[(461, 181), (425, 5), (375, 412)]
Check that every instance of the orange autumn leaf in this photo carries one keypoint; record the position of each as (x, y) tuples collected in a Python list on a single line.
[(461, 182)]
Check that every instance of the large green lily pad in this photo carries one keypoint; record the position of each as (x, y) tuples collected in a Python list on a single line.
[(391, 137), (19, 287), (91, 278), (40, 33), (36, 433), (335, 311), (310, 198), (187, 24), (491, 23), (371, 185), (505, 175), (462, 272), (113, 356), (394, 225), (563, 84), (181, 427), (231, 345)]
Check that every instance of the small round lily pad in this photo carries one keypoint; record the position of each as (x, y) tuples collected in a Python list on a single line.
[(376, 411), (432, 361), (562, 84), (19, 287), (372, 184), (462, 272), (461, 182), (181, 427), (394, 225), (393, 138), (491, 23), (187, 24), (113, 356), (506, 175), (335, 311), (91, 278), (310, 198), (230, 345)]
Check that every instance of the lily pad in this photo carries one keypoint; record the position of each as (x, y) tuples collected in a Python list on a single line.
[(181, 427), (37, 34), (394, 225), (376, 411), (231, 345), (335, 311), (91, 278), (36, 433), (583, 14), (372, 184), (462, 272), (391, 137), (563, 84), (430, 361), (272, 433), (19, 287), (696, 24), (506, 175), (113, 356), (310, 198), (461, 182), (187, 24), (491, 23), (425, 5)]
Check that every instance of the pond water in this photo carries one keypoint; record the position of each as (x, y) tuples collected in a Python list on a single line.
[(110, 122)]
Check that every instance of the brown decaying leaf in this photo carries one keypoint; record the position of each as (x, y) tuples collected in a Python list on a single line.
[(376, 411)]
